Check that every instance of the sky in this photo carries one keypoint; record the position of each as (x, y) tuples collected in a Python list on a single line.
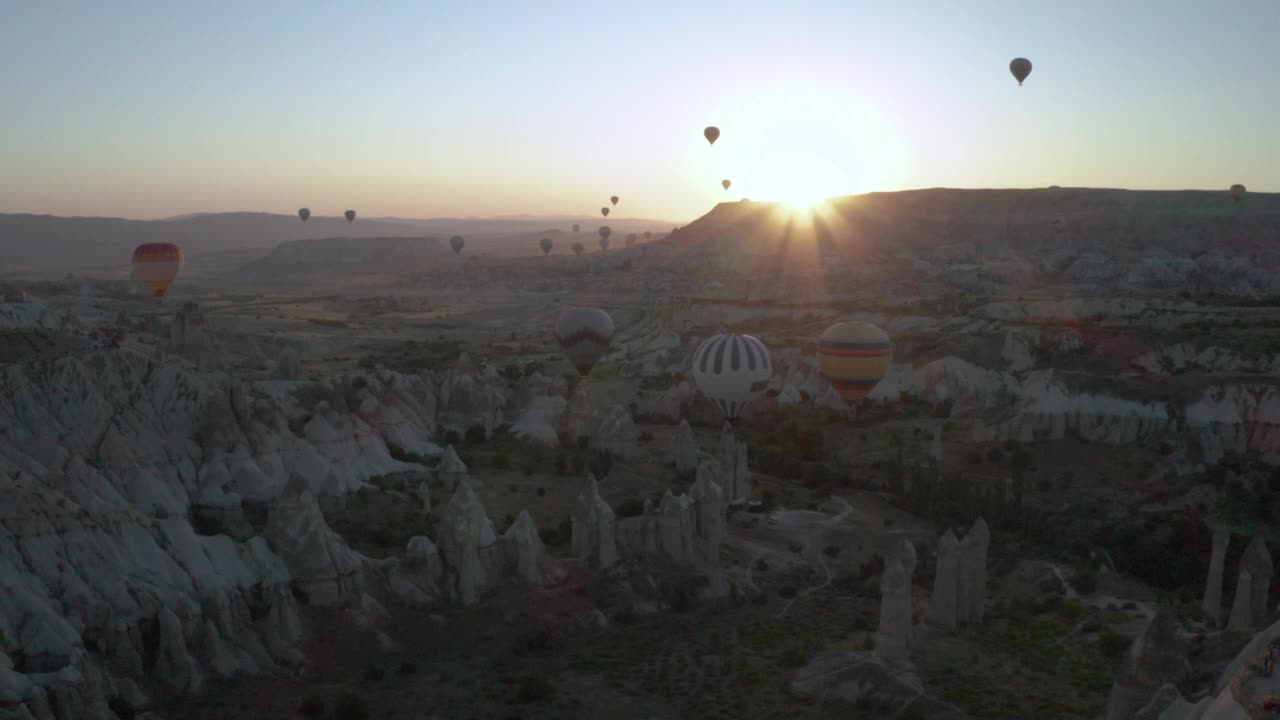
[(427, 109)]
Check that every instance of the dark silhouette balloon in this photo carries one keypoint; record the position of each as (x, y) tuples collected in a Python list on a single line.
[(614, 199), (1237, 192), (712, 133), (350, 215), (456, 242), (725, 183), (546, 245), (604, 211), (304, 213), (1021, 68)]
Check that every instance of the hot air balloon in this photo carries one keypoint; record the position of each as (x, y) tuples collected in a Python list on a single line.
[(631, 239), (584, 333), (304, 213), (853, 356), (456, 242), (605, 231), (575, 227), (604, 211), (712, 133), (1021, 68), (725, 183), (578, 248), (732, 370), (614, 199), (156, 266), (349, 215), (647, 235), (1237, 192), (546, 245)]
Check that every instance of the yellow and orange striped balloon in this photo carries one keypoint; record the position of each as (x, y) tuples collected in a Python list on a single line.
[(157, 265), (853, 356)]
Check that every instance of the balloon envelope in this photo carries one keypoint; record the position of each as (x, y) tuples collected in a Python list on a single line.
[(456, 242), (853, 357), (1021, 68), (578, 248), (156, 266), (725, 183), (304, 213), (546, 245), (711, 134), (1237, 191), (605, 231), (349, 215), (732, 370), (604, 211), (584, 334), (614, 199), (575, 227)]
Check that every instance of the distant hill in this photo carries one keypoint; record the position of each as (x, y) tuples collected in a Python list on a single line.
[(304, 259), (47, 242), (33, 243)]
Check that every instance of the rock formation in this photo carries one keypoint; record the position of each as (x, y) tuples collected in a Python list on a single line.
[(1241, 618), (1156, 657), (943, 603), (465, 534), (905, 553), (895, 615), (322, 566), (540, 420), (594, 532), (468, 397), (1257, 558), (289, 366), (1212, 604), (616, 433), (971, 587), (451, 471), (525, 552), (684, 448), (709, 506)]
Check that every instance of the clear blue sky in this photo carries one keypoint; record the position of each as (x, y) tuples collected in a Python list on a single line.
[(150, 109)]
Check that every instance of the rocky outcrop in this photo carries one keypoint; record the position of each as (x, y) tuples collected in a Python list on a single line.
[(971, 582), (401, 409), (539, 422), (616, 434), (594, 532), (904, 552), (466, 536), (864, 680), (1257, 560), (322, 566), (684, 448), (1212, 603), (469, 397), (451, 471), (1157, 656), (289, 366), (895, 615), (943, 604), (1241, 618), (525, 552)]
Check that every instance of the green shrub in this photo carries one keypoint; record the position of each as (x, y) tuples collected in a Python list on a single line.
[(350, 706), (501, 461)]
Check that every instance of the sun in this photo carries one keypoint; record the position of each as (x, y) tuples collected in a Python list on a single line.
[(800, 142)]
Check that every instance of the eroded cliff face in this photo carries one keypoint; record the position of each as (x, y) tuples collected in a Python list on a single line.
[(132, 549)]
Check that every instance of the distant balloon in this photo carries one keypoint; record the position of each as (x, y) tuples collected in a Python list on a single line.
[(546, 245), (647, 235), (725, 183), (614, 199), (712, 133), (853, 356), (631, 239), (575, 227), (1021, 68), (1237, 192), (584, 334), (304, 213), (578, 248), (732, 370), (605, 231), (350, 215), (456, 242), (157, 265), (604, 211)]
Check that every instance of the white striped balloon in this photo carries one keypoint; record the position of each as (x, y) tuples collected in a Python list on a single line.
[(732, 370)]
